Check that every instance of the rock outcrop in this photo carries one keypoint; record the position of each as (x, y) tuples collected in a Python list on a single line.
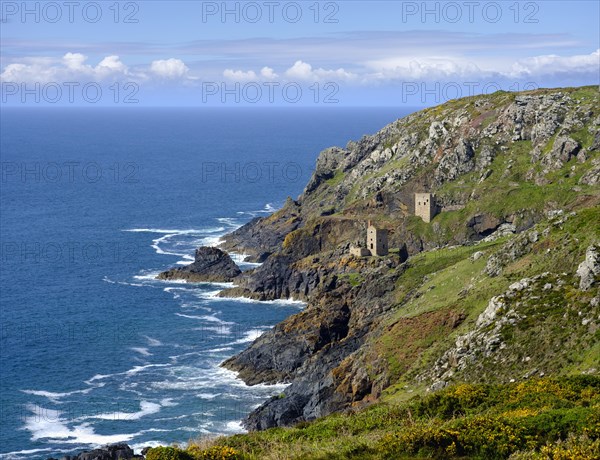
[(210, 265), (589, 269), (111, 452)]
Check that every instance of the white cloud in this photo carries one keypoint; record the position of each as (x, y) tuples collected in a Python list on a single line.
[(75, 61), (75, 67), (169, 68), (304, 71), (111, 64), (423, 68), (239, 75), (552, 64), (268, 73)]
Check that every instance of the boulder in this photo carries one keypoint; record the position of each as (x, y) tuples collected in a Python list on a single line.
[(111, 452), (210, 265)]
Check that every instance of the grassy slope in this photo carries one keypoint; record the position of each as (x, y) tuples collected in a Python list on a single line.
[(468, 420)]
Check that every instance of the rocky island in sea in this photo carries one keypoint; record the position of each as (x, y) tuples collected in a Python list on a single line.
[(210, 265), (477, 326)]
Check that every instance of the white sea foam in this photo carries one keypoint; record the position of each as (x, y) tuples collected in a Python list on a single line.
[(138, 369), (209, 396), (141, 350), (219, 350), (235, 427), (209, 318), (191, 231), (250, 336), (146, 408), (230, 221), (18, 453), (213, 296), (212, 241), (97, 377), (137, 448), (147, 276), (219, 330), (55, 397), (153, 342), (133, 371), (168, 402), (50, 425)]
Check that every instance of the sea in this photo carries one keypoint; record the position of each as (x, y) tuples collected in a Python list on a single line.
[(94, 203)]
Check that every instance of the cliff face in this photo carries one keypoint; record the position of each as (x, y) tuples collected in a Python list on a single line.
[(516, 179)]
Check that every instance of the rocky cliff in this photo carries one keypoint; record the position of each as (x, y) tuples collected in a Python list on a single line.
[(516, 179)]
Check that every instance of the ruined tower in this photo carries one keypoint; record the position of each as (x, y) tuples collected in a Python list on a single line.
[(425, 206), (377, 241)]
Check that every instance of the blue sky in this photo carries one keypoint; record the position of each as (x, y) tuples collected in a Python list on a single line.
[(314, 53)]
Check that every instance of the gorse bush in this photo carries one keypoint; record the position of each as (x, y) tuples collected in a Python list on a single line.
[(545, 418), (193, 453), (213, 453), (574, 448), (167, 453)]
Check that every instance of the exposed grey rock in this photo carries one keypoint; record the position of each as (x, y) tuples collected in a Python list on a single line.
[(592, 176), (111, 452), (483, 224), (328, 162), (485, 157), (563, 150), (455, 162), (589, 269), (477, 255), (510, 252)]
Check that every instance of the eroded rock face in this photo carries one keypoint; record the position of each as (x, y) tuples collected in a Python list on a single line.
[(112, 452), (592, 177), (210, 265), (563, 150), (589, 269), (262, 236), (456, 162), (307, 348)]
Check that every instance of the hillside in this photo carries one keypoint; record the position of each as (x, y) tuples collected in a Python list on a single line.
[(500, 289)]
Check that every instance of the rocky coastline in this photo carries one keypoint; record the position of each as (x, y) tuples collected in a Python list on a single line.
[(487, 159)]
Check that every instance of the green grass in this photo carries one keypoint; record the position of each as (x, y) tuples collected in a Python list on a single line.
[(355, 279), (336, 179), (462, 421)]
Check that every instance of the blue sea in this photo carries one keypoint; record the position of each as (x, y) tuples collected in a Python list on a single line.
[(95, 203)]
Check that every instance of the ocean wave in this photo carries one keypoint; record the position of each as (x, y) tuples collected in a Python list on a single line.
[(219, 330), (133, 371), (152, 341), (19, 453), (146, 408), (56, 397), (214, 296), (209, 396), (141, 350), (209, 318), (50, 425), (147, 276), (191, 231), (235, 427), (250, 336)]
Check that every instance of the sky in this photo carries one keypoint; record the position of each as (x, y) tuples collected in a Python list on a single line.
[(290, 53)]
